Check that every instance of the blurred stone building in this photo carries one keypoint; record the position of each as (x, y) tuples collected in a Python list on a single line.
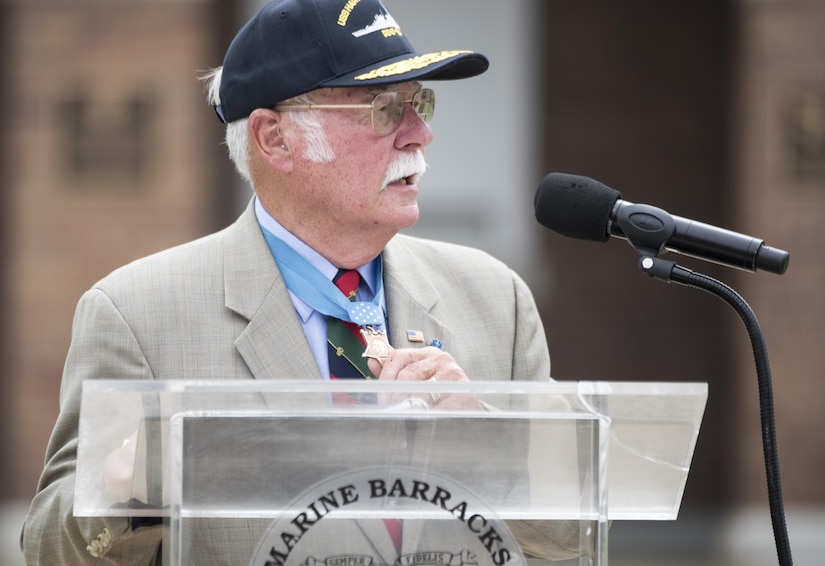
[(712, 110)]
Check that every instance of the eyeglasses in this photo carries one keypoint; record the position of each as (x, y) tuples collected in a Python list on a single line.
[(386, 109)]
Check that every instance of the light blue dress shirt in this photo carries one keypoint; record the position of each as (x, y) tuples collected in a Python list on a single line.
[(313, 322)]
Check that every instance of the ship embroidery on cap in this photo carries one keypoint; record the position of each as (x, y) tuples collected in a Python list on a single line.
[(384, 23)]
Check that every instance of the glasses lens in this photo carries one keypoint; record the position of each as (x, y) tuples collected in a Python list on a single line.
[(387, 112), (423, 103), (388, 109)]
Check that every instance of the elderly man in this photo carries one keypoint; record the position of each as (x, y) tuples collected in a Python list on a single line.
[(327, 119)]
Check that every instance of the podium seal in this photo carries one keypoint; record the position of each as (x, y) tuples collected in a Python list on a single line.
[(388, 517)]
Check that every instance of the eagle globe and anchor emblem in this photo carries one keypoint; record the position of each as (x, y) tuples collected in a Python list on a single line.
[(388, 517)]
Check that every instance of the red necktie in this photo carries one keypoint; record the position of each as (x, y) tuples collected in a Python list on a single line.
[(345, 346), (344, 341)]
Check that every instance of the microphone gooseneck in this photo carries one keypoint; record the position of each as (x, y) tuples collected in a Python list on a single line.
[(580, 207)]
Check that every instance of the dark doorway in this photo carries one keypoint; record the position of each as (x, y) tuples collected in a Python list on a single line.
[(635, 94)]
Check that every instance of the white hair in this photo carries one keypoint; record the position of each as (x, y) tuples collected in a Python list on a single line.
[(309, 122), (317, 147)]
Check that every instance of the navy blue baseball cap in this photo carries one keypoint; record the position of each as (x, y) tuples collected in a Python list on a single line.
[(291, 47)]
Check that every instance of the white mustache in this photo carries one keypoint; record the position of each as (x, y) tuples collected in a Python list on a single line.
[(405, 165)]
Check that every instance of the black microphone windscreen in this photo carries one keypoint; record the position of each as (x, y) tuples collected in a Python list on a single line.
[(575, 206)]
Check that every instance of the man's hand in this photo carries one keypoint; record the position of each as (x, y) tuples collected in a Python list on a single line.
[(424, 364), (119, 469)]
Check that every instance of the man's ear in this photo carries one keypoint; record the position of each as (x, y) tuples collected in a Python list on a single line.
[(267, 139)]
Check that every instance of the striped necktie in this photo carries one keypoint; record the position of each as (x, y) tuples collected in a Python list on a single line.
[(344, 341), (345, 346)]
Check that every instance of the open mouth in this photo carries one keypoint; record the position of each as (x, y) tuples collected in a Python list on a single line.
[(408, 180), (405, 169)]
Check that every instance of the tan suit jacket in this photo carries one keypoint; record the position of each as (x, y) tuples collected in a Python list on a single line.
[(218, 308)]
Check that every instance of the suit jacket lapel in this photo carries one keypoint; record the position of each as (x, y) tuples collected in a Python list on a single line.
[(412, 301), (273, 344)]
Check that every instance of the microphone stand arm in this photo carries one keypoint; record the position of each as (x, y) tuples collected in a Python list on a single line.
[(668, 271), (648, 229)]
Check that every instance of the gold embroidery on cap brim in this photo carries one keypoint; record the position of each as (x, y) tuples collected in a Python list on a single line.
[(407, 65)]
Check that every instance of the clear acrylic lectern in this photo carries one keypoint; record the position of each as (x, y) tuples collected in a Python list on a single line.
[(367, 473)]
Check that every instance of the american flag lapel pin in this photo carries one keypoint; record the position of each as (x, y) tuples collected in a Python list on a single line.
[(415, 336)]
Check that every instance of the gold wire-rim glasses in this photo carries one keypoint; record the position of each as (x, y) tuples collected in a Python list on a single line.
[(386, 108)]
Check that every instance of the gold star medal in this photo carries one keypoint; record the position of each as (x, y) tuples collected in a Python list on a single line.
[(378, 347)]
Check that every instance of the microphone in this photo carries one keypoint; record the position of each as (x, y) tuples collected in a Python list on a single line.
[(583, 208)]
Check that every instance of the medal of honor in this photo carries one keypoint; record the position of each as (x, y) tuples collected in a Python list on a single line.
[(378, 347)]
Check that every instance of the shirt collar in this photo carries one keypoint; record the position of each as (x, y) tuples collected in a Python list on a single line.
[(318, 261)]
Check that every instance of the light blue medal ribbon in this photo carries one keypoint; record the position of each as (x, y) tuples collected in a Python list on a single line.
[(312, 287)]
